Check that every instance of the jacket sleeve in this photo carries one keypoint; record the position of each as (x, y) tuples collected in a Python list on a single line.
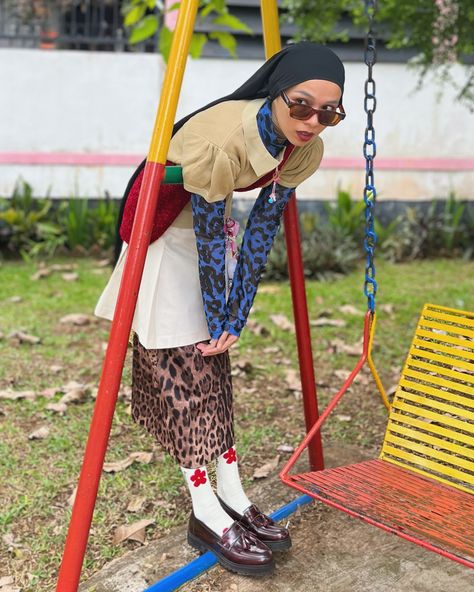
[(208, 221), (262, 226)]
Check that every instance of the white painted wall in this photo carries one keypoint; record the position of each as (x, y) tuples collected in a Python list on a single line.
[(103, 103)]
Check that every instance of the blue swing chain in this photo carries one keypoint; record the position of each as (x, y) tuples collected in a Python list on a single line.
[(369, 150)]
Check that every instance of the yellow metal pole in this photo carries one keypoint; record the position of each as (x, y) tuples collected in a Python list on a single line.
[(271, 27), (272, 40), (82, 513), (372, 367)]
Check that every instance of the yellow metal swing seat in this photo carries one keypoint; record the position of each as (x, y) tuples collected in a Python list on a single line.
[(421, 487)]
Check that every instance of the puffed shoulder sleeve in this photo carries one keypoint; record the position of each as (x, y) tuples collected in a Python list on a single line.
[(302, 163), (208, 170)]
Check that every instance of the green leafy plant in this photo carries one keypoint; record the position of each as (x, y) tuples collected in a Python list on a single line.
[(441, 230), (145, 18), (346, 214), (103, 222), (28, 222), (326, 250), (74, 220)]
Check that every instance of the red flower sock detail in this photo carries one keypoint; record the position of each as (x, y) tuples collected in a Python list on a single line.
[(198, 478), (230, 456)]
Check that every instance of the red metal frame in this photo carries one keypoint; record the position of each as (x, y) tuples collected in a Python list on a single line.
[(303, 333), (315, 430), (104, 408)]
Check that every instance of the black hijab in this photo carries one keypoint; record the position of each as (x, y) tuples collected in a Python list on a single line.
[(290, 66)]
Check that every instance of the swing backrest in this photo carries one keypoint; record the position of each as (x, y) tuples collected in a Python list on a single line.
[(431, 423)]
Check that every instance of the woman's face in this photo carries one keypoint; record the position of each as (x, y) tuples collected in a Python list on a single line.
[(319, 94)]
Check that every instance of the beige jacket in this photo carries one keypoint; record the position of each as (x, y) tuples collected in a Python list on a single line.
[(220, 150)]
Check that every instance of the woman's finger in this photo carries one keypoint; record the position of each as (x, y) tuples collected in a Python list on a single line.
[(229, 341), (222, 339), (207, 346)]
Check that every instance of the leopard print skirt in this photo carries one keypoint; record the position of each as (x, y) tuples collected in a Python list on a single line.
[(184, 400)]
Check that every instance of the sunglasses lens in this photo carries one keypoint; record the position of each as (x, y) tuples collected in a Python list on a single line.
[(304, 112), (301, 111), (328, 117)]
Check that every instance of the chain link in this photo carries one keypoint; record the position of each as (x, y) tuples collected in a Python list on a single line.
[(370, 150)]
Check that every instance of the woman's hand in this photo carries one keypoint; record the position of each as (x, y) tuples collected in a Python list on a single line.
[(217, 346)]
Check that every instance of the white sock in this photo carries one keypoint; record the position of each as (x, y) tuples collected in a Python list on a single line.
[(229, 486), (206, 506)]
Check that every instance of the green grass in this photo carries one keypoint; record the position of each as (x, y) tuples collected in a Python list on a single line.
[(38, 476)]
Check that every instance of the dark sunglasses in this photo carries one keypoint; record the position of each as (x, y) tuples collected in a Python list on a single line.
[(305, 112)]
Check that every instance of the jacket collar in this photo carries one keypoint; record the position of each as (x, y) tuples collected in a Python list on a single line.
[(260, 159)]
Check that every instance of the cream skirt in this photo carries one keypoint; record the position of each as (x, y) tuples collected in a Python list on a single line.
[(169, 311)]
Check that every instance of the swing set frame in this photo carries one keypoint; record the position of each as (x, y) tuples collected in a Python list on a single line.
[(154, 175)]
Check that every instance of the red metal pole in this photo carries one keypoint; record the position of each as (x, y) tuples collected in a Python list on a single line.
[(83, 509), (303, 333), (272, 40)]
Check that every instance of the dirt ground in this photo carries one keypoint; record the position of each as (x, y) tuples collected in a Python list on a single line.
[(331, 552)]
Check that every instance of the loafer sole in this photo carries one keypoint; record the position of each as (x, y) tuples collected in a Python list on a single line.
[(283, 545), (239, 568)]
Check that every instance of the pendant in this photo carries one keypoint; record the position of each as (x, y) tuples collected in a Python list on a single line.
[(273, 196)]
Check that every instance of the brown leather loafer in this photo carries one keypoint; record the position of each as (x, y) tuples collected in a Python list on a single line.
[(237, 550), (267, 530)]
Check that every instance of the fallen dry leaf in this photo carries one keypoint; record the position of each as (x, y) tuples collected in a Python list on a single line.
[(72, 498), (388, 308), (60, 408), (351, 310), (63, 267), (269, 290), (9, 540), (103, 263), (56, 368), (282, 322), (6, 580), (257, 329), (125, 393), (267, 468), (144, 458), (136, 504), (70, 277), (14, 395), (15, 300), (340, 346), (134, 532), (41, 273), (39, 434), (71, 385), (121, 465), (76, 319), (344, 417), (23, 337), (118, 465), (325, 322), (390, 392), (76, 395), (49, 393), (272, 349), (293, 379), (343, 374), (244, 366), (287, 448)]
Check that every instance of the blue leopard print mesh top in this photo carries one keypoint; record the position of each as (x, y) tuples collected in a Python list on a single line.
[(262, 225)]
